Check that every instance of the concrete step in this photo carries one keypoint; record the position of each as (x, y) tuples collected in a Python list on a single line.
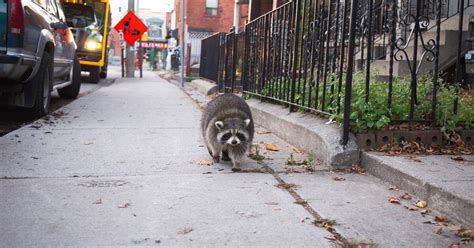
[(444, 183)]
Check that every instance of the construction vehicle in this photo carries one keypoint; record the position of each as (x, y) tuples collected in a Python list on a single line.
[(90, 24)]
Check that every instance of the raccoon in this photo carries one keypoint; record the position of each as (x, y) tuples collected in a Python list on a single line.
[(227, 128)]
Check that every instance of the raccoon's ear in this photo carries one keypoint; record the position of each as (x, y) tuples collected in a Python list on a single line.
[(219, 124), (247, 122)]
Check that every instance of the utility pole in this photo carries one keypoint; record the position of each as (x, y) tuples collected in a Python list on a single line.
[(182, 42), (130, 49), (236, 16)]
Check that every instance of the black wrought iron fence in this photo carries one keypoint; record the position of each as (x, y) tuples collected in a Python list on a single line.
[(209, 67), (363, 62)]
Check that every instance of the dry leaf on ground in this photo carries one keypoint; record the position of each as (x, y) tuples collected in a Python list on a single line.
[(441, 218), (272, 147), (438, 230), (411, 208), (98, 201), (393, 200), (261, 130), (203, 162), (126, 205), (338, 179), (286, 185), (457, 158), (184, 230), (301, 201), (330, 237), (296, 150), (393, 188), (421, 204), (462, 231), (406, 196)]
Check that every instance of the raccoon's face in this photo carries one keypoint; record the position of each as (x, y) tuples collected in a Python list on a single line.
[(232, 134)]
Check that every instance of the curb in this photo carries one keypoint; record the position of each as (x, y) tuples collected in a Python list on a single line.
[(321, 139), (204, 87), (455, 206)]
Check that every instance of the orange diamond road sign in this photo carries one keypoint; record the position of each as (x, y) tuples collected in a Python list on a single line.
[(132, 27)]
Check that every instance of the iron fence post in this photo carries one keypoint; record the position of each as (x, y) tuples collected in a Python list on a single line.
[(349, 66), (459, 64), (295, 54)]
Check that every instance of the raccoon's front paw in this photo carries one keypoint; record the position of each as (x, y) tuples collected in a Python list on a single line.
[(216, 159), (236, 167)]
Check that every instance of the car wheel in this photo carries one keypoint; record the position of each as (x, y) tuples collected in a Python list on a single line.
[(103, 74), (94, 76), (42, 83), (72, 91)]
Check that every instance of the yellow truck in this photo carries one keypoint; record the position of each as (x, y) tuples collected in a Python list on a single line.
[(89, 21)]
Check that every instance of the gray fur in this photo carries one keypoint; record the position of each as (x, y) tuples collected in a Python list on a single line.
[(230, 112)]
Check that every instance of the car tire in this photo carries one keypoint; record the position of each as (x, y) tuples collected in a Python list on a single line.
[(42, 83), (72, 91), (94, 75), (103, 74)]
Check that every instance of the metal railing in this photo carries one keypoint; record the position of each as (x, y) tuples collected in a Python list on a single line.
[(314, 55)]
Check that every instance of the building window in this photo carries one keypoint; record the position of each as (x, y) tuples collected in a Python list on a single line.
[(211, 7)]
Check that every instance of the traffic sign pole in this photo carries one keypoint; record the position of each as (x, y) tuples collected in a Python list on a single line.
[(141, 58), (182, 42)]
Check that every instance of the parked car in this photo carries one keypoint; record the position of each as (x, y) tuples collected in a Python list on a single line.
[(37, 55), (89, 32)]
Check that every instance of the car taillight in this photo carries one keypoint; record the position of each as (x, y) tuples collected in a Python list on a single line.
[(15, 17)]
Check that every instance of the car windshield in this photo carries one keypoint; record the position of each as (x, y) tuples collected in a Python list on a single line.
[(79, 16)]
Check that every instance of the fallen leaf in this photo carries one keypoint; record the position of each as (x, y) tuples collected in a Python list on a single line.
[(272, 147), (296, 150), (98, 201), (338, 179), (411, 208), (457, 158), (286, 185), (126, 205), (393, 188), (421, 204), (330, 237), (406, 196), (415, 159), (203, 162), (441, 218), (184, 230), (438, 230), (423, 212), (393, 200), (429, 222), (262, 131), (461, 231), (300, 201)]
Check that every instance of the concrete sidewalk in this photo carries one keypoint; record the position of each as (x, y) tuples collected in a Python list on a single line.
[(116, 168)]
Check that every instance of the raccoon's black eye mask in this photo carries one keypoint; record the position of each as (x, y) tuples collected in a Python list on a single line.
[(226, 136), (241, 137)]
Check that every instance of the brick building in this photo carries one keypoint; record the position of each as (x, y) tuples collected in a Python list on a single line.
[(204, 18), (260, 7)]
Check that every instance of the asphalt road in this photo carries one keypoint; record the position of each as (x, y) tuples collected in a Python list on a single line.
[(8, 121)]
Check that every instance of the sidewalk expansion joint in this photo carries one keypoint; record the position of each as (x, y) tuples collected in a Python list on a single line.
[(305, 205)]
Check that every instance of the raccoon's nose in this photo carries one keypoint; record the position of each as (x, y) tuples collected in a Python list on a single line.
[(234, 142)]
